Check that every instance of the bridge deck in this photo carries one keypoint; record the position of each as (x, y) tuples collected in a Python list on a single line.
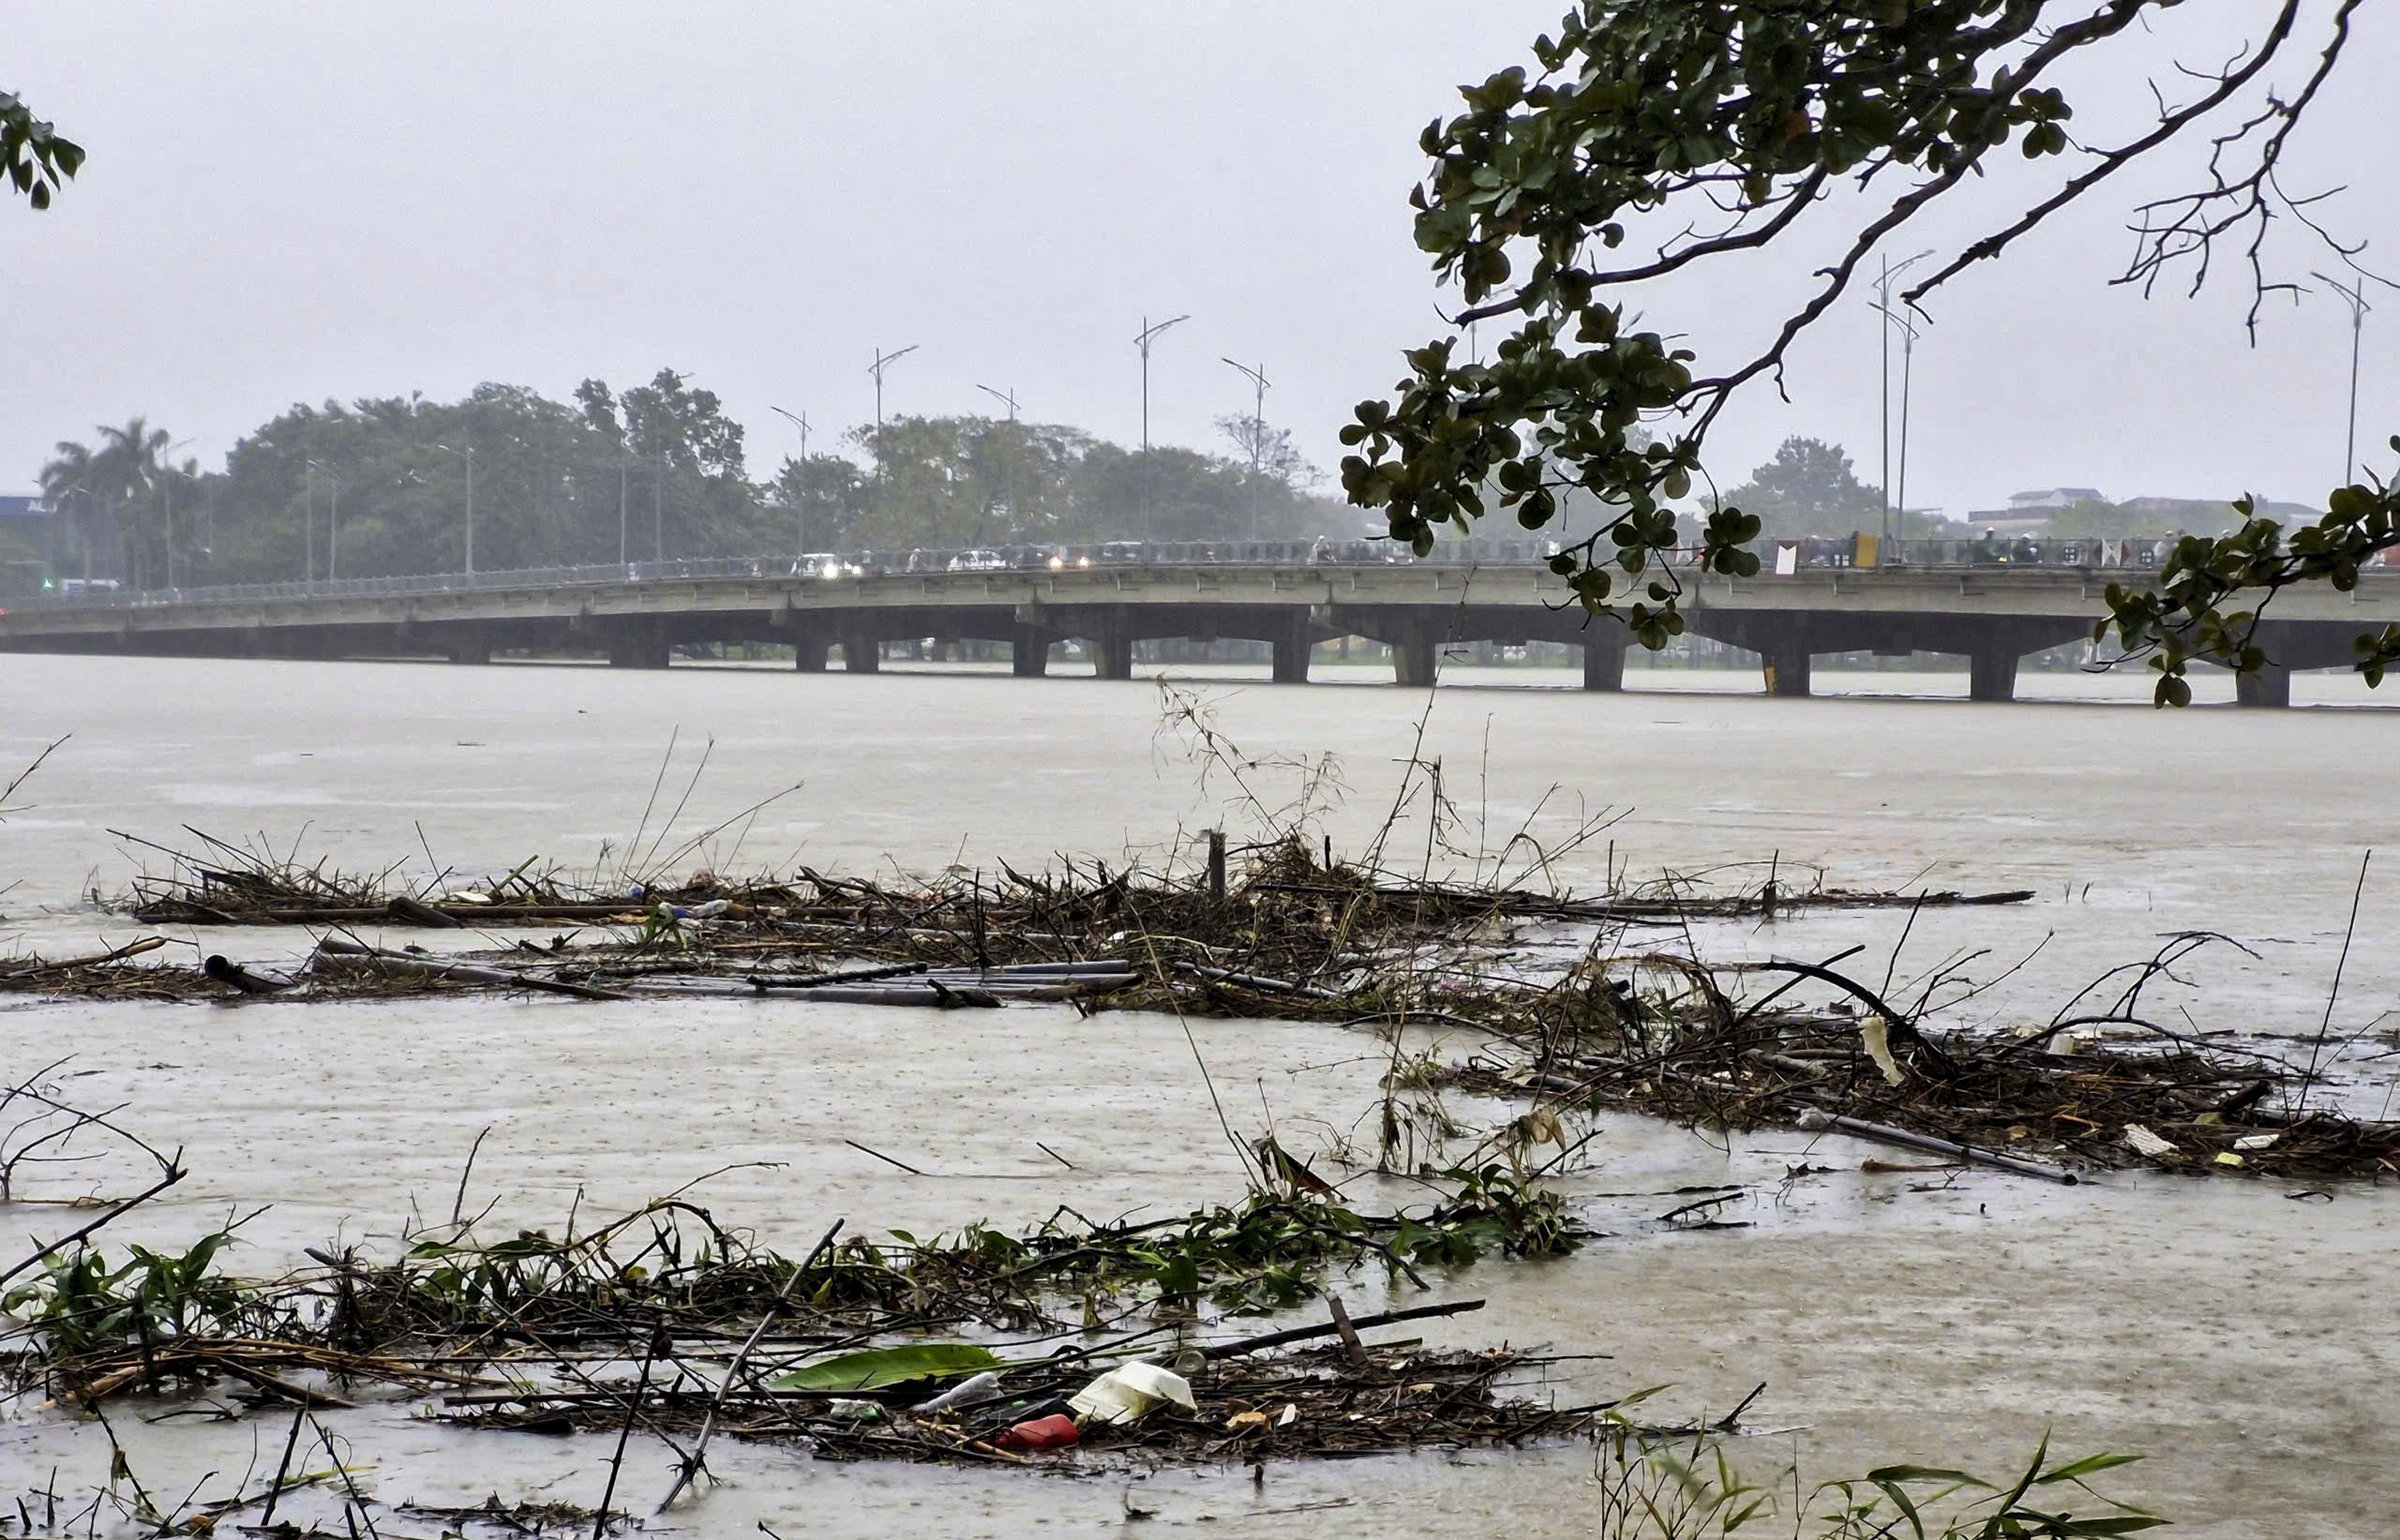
[(1991, 614)]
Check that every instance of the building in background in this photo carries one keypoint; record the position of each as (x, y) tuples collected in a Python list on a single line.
[(2029, 513)]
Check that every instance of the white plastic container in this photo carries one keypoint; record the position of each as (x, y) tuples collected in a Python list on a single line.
[(1129, 1392)]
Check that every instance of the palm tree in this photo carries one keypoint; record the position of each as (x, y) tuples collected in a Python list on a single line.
[(128, 468), (66, 474)]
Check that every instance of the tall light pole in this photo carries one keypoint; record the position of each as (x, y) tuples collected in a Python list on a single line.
[(2355, 297), (883, 362), (333, 522), (1898, 503), (658, 506), (309, 515), (1883, 304), (1257, 436), (167, 491), (467, 454), (1148, 335), (622, 466), (1008, 468), (800, 494)]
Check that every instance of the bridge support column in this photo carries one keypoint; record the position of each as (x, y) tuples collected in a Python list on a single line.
[(467, 644), (2270, 686), (1991, 674), (1604, 643), (808, 654), (862, 656), (1113, 655), (639, 644), (1292, 643), (1029, 652), (1787, 670), (1413, 658)]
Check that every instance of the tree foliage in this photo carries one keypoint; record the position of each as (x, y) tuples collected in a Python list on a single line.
[(1809, 488), (1653, 137), (33, 158), (378, 487)]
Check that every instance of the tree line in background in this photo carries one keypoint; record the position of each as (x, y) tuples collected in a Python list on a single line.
[(380, 487)]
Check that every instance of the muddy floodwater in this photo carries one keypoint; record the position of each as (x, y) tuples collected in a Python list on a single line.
[(2242, 1334)]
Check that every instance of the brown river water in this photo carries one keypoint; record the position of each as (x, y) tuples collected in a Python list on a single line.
[(2242, 1337)]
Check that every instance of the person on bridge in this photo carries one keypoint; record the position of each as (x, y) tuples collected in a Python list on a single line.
[(1987, 549)]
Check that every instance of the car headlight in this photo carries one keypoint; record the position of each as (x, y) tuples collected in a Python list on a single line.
[(1058, 562), (1082, 561)]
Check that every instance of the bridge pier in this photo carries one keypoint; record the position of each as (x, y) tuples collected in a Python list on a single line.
[(1293, 642), (1787, 670), (862, 656), (808, 654), (1413, 658), (2270, 686), (466, 644), (637, 653), (1029, 652), (1604, 643), (1992, 673)]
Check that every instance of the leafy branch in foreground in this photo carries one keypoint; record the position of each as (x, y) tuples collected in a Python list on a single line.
[(1697, 131), (2187, 615), (32, 158)]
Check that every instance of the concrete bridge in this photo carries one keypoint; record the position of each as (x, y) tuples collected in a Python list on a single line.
[(1290, 598)]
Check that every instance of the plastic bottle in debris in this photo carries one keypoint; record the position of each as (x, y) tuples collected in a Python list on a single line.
[(1055, 1432), (969, 1392)]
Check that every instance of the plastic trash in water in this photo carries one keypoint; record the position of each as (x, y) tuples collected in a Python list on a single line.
[(969, 1392), (712, 909), (2147, 1143), (1055, 1432), (1132, 1391), (843, 1409)]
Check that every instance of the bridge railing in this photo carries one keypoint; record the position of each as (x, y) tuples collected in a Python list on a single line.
[(1776, 558)]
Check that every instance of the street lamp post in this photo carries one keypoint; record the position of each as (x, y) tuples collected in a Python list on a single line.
[(1882, 303), (657, 464), (167, 491), (467, 454), (2355, 297), (1148, 335), (1257, 436), (333, 523), (1898, 503), (800, 493), (1008, 468), (883, 362)]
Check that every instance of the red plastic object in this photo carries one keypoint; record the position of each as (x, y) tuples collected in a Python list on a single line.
[(1041, 1433)]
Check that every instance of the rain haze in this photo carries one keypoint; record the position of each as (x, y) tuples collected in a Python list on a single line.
[(296, 204), (676, 855)]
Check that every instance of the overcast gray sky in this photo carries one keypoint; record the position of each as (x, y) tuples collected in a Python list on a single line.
[(292, 202)]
